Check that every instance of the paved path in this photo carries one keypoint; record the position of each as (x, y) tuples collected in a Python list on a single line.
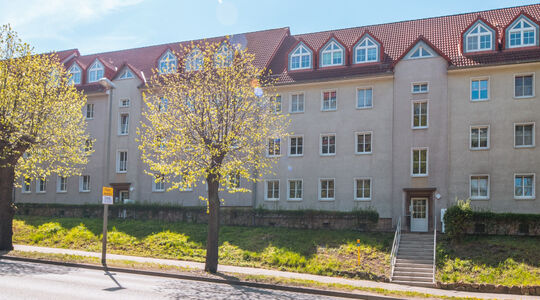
[(257, 271)]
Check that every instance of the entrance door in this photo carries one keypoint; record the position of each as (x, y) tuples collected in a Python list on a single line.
[(123, 195), (419, 214)]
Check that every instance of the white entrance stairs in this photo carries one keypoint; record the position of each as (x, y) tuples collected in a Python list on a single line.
[(414, 260)]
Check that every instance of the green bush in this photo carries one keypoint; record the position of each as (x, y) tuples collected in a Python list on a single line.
[(456, 219)]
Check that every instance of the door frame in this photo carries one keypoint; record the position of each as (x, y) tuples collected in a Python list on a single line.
[(426, 215), (419, 193)]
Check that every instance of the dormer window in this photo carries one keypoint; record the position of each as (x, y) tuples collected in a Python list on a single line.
[(224, 56), (167, 63), (127, 74), (75, 72), (479, 38), (523, 32), (421, 50), (367, 50), (300, 58), (95, 72), (194, 61), (332, 54)]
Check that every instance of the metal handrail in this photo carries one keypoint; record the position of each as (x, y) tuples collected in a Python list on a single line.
[(395, 246), (434, 245)]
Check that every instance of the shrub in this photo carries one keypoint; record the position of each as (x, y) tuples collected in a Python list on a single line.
[(456, 219)]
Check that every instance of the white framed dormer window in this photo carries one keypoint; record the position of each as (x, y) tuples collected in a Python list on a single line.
[(89, 111), (524, 186), (362, 189), (480, 89), (271, 190), (224, 56), (167, 63), (194, 60), (479, 187), (420, 114), (84, 183), (479, 137), (419, 162), (363, 142), (522, 33), (296, 189), (127, 74), (124, 102), (75, 72), (523, 85), (327, 189), (297, 103), (421, 50), (332, 54), (26, 186), (366, 50), (524, 135), (479, 38), (419, 87), (158, 184), (300, 58), (41, 185), (364, 97), (121, 161), (329, 100), (274, 147), (61, 184), (296, 145), (123, 126), (328, 144), (96, 71)]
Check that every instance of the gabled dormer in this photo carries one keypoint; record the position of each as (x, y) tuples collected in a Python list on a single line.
[(479, 36), (76, 74), (300, 58), (522, 32), (96, 71), (332, 53), (367, 50), (127, 74), (167, 62), (420, 50), (194, 60), (224, 55)]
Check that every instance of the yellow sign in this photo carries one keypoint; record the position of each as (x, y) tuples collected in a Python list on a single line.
[(107, 191)]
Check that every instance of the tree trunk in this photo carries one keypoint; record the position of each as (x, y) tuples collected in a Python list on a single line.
[(212, 241), (7, 208)]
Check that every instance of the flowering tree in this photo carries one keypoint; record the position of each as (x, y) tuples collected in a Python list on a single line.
[(209, 120), (42, 130)]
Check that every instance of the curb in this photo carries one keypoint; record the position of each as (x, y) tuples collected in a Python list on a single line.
[(267, 286)]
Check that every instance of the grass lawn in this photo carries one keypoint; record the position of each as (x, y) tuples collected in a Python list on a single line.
[(322, 252), (505, 260)]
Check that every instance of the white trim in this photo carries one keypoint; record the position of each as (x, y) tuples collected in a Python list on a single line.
[(58, 180), (120, 123), (332, 53), (86, 111), (533, 135), (420, 83), (533, 85), (372, 97), (489, 32), (509, 30), (322, 99), (320, 144), (289, 189), (289, 145), (268, 147), (356, 142), (370, 188), (291, 94), (96, 66), (427, 162), (120, 104), (154, 189), (367, 47), (291, 54), (81, 184), (488, 187), (427, 114), (266, 190), (38, 186), (533, 186), (118, 161), (320, 191), (480, 78), (29, 191), (488, 137)]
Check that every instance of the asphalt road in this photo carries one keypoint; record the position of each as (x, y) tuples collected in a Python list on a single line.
[(23, 280)]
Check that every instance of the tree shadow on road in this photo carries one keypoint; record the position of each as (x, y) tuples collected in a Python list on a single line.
[(16, 268)]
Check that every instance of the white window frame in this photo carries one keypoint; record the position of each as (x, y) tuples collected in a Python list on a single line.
[(366, 48), (358, 133), (194, 60), (38, 186), (332, 52), (118, 170), (419, 47), (289, 146), (488, 187), (533, 85), (533, 134), (266, 189), (421, 83), (521, 31), (59, 184), (75, 69), (23, 186), (533, 196), (96, 67), (121, 102), (291, 102), (479, 79), (320, 190), (300, 55), (127, 74), (412, 162), (91, 115), (274, 103), (166, 59), (488, 137), (155, 188), (188, 188), (427, 114), (81, 184), (372, 97), (355, 186), (268, 147), (322, 99), (321, 144), (120, 127), (478, 37), (289, 189)]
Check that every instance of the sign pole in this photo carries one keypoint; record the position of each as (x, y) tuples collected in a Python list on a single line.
[(107, 200)]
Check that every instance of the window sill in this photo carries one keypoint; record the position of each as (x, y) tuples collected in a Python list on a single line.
[(61, 192), (272, 200), (364, 108), (84, 191), (43, 192), (523, 97), (417, 128), (273, 156), (121, 172), (419, 175), (328, 110), (525, 198), (327, 155), (417, 93), (480, 199), (296, 155), (158, 191), (327, 199), (479, 149), (524, 147), (363, 153), (362, 199), (123, 134), (479, 100), (26, 192), (295, 200), (296, 112)]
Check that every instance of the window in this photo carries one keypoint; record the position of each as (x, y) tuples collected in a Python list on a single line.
[(89, 111), (41, 185), (75, 72), (479, 137), (124, 102), (364, 98), (26, 188), (121, 161), (524, 135), (300, 58), (274, 147), (418, 88), (272, 190), (61, 184), (297, 103), (326, 189), (479, 38), (332, 55), (234, 180), (296, 146), (363, 143), (419, 163), (276, 102), (328, 144), (95, 72), (194, 61), (523, 86), (522, 33), (88, 146), (167, 63), (158, 184), (479, 187), (124, 124), (127, 74), (420, 114), (224, 56), (366, 50), (185, 185), (84, 183), (524, 186), (295, 189), (329, 100), (421, 50), (362, 189), (479, 89)]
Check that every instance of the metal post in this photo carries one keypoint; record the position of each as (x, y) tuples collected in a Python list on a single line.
[(358, 246), (104, 240)]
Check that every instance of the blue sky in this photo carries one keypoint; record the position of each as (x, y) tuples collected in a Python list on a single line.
[(103, 25)]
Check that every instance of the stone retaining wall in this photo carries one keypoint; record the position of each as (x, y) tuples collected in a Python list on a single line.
[(491, 288)]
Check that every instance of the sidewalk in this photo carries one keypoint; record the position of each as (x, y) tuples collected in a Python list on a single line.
[(265, 272)]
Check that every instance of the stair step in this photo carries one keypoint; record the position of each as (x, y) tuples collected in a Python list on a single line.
[(413, 265), (414, 251), (415, 283), (414, 274), (402, 268), (416, 257), (415, 261), (414, 279)]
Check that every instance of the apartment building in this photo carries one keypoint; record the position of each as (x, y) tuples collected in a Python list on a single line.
[(402, 117)]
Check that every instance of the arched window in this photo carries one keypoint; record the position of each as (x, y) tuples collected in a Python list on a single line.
[(479, 38), (224, 56), (95, 72), (367, 50), (75, 72), (194, 61), (522, 33), (167, 63), (332, 55), (300, 58)]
